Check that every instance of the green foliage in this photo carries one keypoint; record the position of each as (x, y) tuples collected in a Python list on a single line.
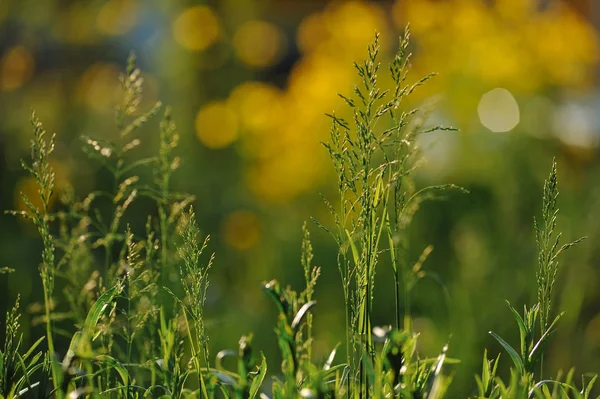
[(16, 370), (135, 332)]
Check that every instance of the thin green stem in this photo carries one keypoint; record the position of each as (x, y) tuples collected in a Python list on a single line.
[(407, 289), (129, 332), (195, 355), (397, 282), (49, 337), (163, 230)]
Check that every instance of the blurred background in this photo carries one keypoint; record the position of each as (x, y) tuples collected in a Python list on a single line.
[(249, 82)]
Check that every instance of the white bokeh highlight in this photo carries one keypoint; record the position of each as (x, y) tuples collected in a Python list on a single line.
[(498, 110)]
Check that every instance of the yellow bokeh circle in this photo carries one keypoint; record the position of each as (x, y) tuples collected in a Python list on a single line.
[(216, 125), (197, 28), (259, 105), (258, 44)]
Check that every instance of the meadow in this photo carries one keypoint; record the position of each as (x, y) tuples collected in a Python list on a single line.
[(125, 271)]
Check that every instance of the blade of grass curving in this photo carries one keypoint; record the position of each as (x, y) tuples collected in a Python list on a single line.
[(549, 331), (99, 306), (543, 383), (297, 322), (589, 386), (511, 352), (258, 380), (330, 358), (27, 372), (151, 389), (32, 348), (522, 329), (116, 365)]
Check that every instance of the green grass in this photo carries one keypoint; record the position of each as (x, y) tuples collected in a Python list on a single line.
[(133, 333)]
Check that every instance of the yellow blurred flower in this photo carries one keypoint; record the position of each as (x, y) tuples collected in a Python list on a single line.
[(569, 46), (287, 125), (197, 28), (259, 44), (311, 31), (475, 46), (345, 28), (241, 230), (510, 43), (259, 106), (289, 172), (516, 9), (16, 68), (216, 125), (317, 79), (117, 17), (353, 25), (423, 15)]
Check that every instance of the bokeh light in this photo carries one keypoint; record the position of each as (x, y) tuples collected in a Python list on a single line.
[(216, 125), (259, 106), (197, 28), (258, 44), (576, 124), (498, 110), (492, 47), (16, 68)]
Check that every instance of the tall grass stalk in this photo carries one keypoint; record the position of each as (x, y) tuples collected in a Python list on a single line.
[(194, 278), (167, 164), (373, 158), (549, 248), (41, 170)]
